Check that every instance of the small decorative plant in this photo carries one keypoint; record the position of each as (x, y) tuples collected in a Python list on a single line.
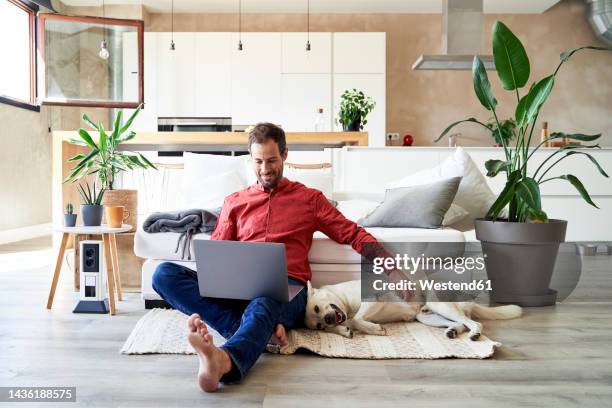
[(69, 217), (89, 195), (104, 159), (354, 108), (505, 131), (522, 190)]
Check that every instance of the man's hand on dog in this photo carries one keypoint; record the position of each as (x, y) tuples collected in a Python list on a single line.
[(397, 276)]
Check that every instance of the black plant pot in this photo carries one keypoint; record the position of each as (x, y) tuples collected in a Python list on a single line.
[(520, 259), (92, 215), (353, 126), (70, 220)]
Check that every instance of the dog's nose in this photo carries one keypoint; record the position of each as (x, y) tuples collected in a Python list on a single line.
[(330, 318)]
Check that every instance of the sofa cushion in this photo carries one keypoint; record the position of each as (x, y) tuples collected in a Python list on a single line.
[(421, 206), (473, 194)]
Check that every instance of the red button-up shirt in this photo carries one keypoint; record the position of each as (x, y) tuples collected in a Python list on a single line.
[(290, 213)]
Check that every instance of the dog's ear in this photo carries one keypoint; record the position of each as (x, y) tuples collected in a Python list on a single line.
[(310, 289)]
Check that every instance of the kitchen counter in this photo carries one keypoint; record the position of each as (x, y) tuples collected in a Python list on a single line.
[(161, 140)]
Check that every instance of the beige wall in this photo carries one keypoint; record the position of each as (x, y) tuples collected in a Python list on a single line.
[(422, 103)]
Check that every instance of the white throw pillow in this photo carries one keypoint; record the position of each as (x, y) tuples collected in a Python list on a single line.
[(474, 194), (454, 214), (356, 209), (321, 179), (202, 166), (210, 192)]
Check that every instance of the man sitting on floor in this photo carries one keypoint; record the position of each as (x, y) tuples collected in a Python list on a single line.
[(272, 210)]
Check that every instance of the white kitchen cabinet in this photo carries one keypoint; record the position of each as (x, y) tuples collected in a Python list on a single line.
[(213, 74), (146, 121), (301, 95), (295, 58), (176, 75), (256, 78), (372, 85), (359, 53)]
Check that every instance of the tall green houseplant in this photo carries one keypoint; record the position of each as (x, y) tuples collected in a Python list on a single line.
[(105, 160), (522, 190)]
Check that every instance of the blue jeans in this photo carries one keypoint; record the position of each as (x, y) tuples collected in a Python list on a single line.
[(246, 325)]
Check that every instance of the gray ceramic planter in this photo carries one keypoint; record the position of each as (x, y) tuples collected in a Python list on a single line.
[(92, 215), (70, 220), (520, 259)]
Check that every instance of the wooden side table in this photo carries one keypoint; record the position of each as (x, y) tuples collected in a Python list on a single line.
[(110, 256)]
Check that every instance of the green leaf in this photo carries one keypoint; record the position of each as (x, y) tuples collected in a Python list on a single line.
[(529, 191), (115, 135), (127, 137), (535, 215), (505, 196), (103, 141), (89, 121), (452, 125), (566, 55), (510, 58), (530, 104), (495, 166), (77, 157), (575, 136), (87, 138), (578, 185), (77, 142), (601, 170), (147, 162), (130, 120), (482, 86)]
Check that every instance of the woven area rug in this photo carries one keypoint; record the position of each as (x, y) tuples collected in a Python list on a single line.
[(162, 331)]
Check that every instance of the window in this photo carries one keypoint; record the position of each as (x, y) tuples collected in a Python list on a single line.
[(18, 69), (73, 71)]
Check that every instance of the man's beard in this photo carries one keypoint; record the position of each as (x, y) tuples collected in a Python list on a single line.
[(272, 183)]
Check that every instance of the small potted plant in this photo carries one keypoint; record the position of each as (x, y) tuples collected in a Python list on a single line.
[(106, 161), (69, 217), (91, 209), (354, 107), (503, 134)]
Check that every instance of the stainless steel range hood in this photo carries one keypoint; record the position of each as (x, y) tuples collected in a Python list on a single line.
[(461, 38)]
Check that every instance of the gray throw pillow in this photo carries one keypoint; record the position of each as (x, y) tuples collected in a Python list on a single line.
[(421, 206)]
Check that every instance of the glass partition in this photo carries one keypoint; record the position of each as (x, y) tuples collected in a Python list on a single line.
[(89, 61)]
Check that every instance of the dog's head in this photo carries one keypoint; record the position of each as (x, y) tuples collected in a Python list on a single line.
[(323, 309)]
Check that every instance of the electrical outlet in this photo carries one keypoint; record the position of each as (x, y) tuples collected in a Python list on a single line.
[(393, 136)]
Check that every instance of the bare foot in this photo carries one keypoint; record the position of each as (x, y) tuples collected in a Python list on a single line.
[(280, 336), (214, 362)]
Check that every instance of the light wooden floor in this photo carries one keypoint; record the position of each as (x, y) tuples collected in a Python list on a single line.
[(557, 356)]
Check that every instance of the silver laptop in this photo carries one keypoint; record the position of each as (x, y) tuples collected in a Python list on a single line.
[(243, 270)]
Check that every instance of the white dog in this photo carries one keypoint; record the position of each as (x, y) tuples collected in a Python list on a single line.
[(338, 309)]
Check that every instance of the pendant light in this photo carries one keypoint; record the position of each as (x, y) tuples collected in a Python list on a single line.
[(307, 25), (104, 54), (172, 48), (239, 25)]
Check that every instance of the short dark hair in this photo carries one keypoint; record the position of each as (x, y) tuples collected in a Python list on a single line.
[(264, 131)]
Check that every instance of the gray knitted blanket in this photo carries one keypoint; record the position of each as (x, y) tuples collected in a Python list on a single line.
[(186, 222)]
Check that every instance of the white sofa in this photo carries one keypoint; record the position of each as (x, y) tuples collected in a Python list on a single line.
[(330, 262)]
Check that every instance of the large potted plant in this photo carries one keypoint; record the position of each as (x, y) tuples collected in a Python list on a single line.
[(521, 249), (354, 107), (105, 162)]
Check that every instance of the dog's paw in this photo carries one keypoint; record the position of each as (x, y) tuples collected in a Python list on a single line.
[(474, 336), (451, 333), (380, 331), (347, 332)]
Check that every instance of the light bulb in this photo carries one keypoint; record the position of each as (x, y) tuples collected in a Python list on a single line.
[(307, 45), (239, 45), (172, 47), (104, 54)]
